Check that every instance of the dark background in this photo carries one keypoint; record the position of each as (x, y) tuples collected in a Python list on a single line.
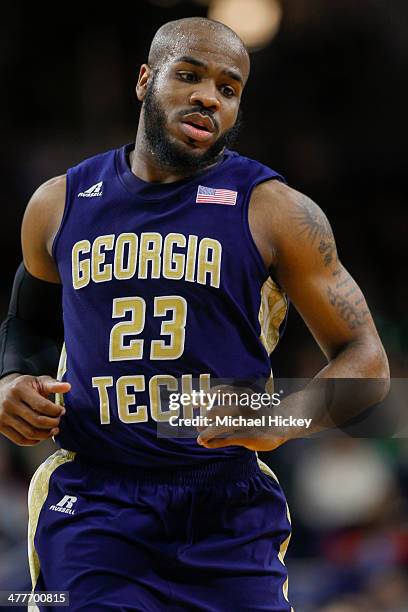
[(325, 106)]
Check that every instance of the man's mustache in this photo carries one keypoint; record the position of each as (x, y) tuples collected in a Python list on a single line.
[(202, 111)]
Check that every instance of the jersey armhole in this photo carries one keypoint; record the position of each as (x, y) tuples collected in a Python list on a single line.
[(254, 249), (67, 207), (247, 231)]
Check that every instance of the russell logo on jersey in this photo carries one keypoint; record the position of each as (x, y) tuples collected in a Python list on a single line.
[(93, 192), (205, 195)]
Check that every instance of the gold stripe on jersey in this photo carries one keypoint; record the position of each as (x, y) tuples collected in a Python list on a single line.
[(284, 546), (272, 312), (37, 494), (62, 368)]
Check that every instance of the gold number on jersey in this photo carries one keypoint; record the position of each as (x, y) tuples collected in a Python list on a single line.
[(159, 349), (117, 350), (175, 327)]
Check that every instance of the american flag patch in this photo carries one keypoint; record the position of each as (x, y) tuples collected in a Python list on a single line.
[(209, 195)]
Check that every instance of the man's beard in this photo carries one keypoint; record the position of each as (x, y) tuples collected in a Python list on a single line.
[(171, 154)]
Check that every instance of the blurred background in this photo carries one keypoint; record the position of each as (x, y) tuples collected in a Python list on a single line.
[(326, 107)]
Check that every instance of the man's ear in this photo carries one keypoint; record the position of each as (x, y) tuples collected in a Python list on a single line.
[(145, 73)]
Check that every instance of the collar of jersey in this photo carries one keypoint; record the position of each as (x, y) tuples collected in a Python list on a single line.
[(156, 191)]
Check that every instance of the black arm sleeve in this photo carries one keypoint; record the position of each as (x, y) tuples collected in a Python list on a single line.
[(32, 334)]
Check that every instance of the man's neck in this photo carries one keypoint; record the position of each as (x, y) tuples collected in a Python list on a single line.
[(143, 166)]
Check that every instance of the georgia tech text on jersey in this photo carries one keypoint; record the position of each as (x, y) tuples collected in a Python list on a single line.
[(174, 256)]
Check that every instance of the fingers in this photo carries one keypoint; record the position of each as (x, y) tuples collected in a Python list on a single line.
[(33, 392), (26, 430), (27, 416), (35, 419), (47, 385), (37, 402), (214, 427), (256, 441), (219, 442), (17, 438), (213, 432), (221, 388)]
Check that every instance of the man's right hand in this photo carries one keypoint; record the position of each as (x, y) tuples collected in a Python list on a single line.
[(27, 416)]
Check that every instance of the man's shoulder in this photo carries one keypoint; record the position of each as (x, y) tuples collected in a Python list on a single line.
[(284, 198), (275, 196), (51, 190), (287, 214)]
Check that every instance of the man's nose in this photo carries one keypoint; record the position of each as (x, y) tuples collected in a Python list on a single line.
[(207, 96)]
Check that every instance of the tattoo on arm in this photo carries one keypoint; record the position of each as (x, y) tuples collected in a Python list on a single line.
[(316, 226), (328, 250), (344, 282), (354, 316), (353, 290)]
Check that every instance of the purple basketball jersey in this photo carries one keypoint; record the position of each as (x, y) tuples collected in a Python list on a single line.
[(163, 288)]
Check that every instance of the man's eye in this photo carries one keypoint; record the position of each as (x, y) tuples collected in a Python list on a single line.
[(228, 91), (190, 77)]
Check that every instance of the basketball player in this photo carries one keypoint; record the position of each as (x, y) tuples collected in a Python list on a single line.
[(175, 255)]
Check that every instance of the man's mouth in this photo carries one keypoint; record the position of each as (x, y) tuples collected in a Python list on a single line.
[(198, 127)]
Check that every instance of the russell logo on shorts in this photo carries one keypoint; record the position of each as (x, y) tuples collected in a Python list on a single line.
[(65, 505)]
